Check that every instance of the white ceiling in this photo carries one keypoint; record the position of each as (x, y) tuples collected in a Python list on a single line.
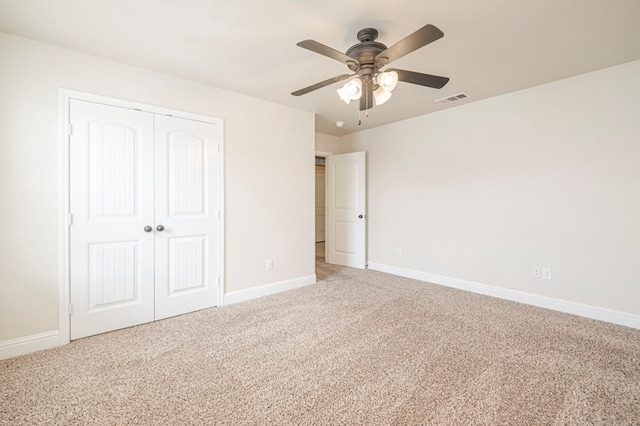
[(490, 47)]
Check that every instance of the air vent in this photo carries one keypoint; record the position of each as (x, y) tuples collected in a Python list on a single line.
[(452, 98)]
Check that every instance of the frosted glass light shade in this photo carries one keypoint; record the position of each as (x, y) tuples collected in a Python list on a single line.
[(387, 80), (381, 96), (352, 90)]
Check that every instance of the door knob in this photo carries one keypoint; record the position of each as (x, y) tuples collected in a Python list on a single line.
[(159, 228), (148, 228), (359, 216)]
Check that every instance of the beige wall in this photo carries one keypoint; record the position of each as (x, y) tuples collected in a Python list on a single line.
[(548, 176), (327, 143), (269, 175)]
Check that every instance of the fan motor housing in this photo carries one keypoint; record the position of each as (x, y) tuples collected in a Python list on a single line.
[(366, 51)]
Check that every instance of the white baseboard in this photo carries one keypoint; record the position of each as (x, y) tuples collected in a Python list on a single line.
[(27, 344), (588, 311), (267, 289)]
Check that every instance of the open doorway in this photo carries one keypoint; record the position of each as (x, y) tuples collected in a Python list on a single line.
[(320, 208)]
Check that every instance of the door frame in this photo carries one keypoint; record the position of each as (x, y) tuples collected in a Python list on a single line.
[(64, 225)]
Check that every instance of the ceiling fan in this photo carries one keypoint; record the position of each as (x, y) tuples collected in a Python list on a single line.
[(367, 58)]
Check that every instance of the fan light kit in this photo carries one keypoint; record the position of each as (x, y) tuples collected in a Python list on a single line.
[(369, 82), (385, 82)]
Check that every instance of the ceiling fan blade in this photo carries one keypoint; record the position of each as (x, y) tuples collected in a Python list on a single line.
[(321, 84), (366, 100), (415, 41), (320, 48), (435, 81)]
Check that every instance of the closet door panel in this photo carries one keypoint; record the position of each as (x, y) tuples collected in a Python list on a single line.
[(111, 201), (187, 205)]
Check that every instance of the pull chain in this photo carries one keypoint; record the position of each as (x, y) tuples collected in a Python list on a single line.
[(366, 111)]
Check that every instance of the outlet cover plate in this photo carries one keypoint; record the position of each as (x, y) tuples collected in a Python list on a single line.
[(535, 272)]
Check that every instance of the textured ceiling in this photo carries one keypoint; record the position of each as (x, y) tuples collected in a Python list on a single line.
[(490, 47)]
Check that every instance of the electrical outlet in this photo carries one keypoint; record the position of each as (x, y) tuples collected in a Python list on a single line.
[(535, 272), (399, 251), (546, 273), (269, 264)]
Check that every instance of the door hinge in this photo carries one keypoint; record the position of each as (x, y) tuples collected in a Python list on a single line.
[(70, 219), (70, 309), (69, 129), (218, 214), (218, 147)]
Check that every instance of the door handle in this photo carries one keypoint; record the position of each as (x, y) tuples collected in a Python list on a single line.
[(360, 216), (159, 228), (148, 228)]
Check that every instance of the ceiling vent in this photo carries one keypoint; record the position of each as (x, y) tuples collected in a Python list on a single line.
[(452, 98)]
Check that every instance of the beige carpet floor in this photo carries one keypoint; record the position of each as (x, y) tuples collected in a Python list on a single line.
[(359, 347)]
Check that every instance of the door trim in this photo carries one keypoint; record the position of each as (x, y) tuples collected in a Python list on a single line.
[(64, 265)]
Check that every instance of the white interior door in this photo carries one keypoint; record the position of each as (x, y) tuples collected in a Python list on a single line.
[(346, 209), (144, 202), (186, 170), (111, 178)]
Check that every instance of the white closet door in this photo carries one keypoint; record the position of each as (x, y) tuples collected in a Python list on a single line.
[(186, 230), (111, 202)]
